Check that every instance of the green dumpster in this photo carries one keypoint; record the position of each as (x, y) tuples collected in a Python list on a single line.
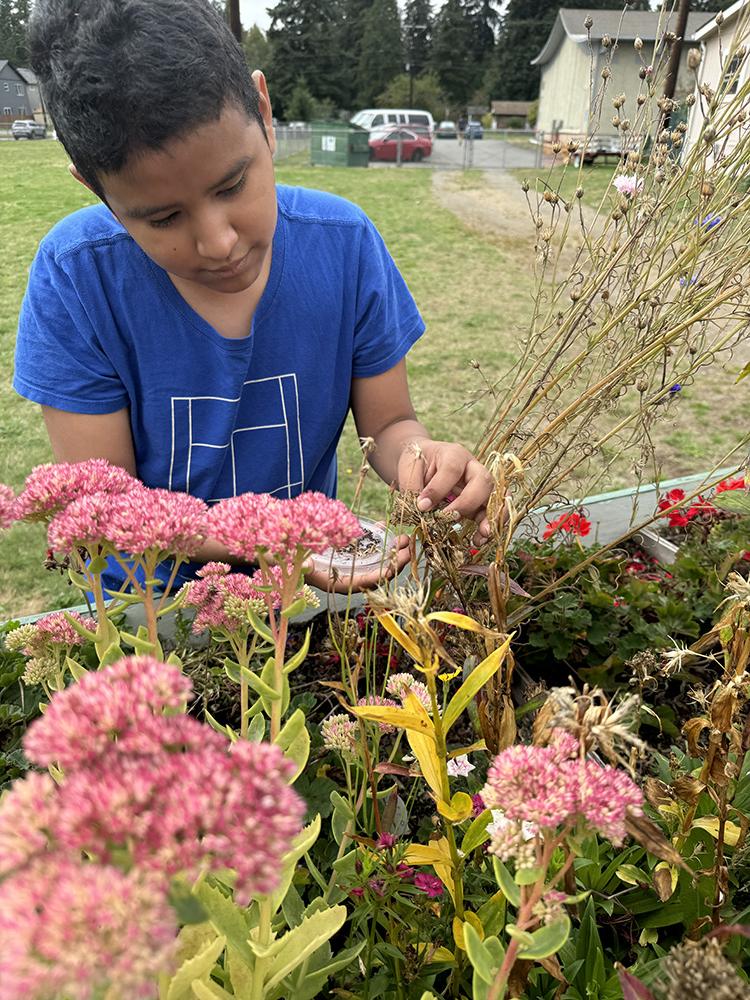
[(339, 144)]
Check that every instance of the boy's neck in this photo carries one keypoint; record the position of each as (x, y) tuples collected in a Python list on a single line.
[(229, 313)]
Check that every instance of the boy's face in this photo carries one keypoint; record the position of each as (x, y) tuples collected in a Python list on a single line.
[(204, 206)]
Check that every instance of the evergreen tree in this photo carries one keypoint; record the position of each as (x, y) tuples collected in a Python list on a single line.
[(303, 39), (257, 49), (524, 29), (382, 53), (417, 35), (349, 43), (486, 19), (13, 17), (301, 105), (455, 58)]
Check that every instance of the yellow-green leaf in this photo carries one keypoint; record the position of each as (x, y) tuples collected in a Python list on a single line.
[(474, 683), (547, 940), (477, 832), (459, 808), (711, 825), (457, 619), (399, 717), (199, 967), (393, 628)]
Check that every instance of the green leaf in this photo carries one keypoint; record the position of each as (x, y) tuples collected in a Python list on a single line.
[(302, 941), (492, 914), (480, 957), (524, 938), (214, 724), (292, 907), (110, 655), (291, 729), (210, 991), (744, 373), (741, 800), (78, 627), (474, 683), (301, 845), (199, 967), (226, 917), (547, 940), (142, 647), (295, 608), (257, 729), (78, 579), (527, 876), (735, 501), (477, 832), (76, 669), (260, 627), (299, 657), (505, 880)]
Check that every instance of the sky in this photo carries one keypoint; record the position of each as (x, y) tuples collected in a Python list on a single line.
[(254, 12)]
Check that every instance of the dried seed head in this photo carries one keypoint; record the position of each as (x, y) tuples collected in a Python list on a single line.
[(573, 146), (618, 101), (606, 74), (642, 386), (694, 59), (616, 121), (625, 125), (588, 22), (638, 44), (709, 134), (660, 176), (698, 969), (574, 295), (606, 42), (605, 295), (547, 235), (642, 73), (525, 186), (719, 19), (556, 147), (579, 192), (640, 100), (616, 215), (551, 197), (690, 100), (670, 38), (538, 222)]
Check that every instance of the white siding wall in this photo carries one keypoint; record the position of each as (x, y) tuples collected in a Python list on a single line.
[(711, 72), (564, 91)]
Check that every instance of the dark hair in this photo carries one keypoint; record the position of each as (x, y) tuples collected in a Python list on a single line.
[(123, 76)]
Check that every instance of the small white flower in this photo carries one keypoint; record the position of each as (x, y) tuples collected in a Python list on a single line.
[(459, 767), (628, 184), (500, 821)]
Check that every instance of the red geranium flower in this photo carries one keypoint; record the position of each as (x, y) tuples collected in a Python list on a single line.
[(574, 524)]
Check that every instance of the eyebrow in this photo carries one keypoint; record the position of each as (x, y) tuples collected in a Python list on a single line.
[(146, 210)]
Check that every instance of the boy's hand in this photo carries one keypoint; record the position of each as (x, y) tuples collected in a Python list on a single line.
[(342, 584), (439, 470)]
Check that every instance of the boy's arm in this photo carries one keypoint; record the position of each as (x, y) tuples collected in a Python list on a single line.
[(406, 455), (76, 437)]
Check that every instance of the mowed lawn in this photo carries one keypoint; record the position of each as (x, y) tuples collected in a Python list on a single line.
[(474, 291)]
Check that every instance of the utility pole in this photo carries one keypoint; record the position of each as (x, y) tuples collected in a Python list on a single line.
[(673, 66), (235, 24)]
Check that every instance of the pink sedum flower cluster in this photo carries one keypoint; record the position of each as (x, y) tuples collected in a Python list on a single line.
[(400, 685), (72, 930), (166, 787), (284, 529), (7, 506), (552, 787), (135, 522), (50, 488)]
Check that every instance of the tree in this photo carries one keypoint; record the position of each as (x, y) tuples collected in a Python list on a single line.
[(486, 19), (425, 91), (14, 15), (417, 35), (257, 49), (301, 105), (303, 36), (381, 57), (349, 44), (454, 54)]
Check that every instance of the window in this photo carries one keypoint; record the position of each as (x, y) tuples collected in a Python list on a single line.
[(419, 120), (732, 71), (393, 119), (8, 112), (377, 120), (19, 90), (6, 84)]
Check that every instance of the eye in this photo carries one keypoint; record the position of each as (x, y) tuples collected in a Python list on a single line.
[(163, 223), (235, 188)]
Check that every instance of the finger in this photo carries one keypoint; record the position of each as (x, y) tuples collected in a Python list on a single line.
[(447, 478), (472, 499), (411, 471)]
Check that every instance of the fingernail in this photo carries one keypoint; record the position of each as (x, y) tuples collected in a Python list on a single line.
[(424, 503)]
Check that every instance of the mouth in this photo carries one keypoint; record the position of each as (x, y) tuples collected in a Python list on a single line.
[(229, 270)]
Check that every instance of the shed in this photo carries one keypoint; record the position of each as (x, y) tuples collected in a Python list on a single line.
[(572, 57), (505, 112)]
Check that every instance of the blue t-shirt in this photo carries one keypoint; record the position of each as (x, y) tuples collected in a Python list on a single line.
[(102, 327)]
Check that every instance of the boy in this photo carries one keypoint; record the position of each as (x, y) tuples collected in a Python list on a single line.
[(201, 327)]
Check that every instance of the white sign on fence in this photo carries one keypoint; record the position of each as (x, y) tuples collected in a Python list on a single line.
[(328, 143)]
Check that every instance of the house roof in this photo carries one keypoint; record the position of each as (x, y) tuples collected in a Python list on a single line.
[(28, 74), (711, 27), (512, 107), (626, 26)]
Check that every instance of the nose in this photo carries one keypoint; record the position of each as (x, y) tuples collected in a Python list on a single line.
[(215, 237)]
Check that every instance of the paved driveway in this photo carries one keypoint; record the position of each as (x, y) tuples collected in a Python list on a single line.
[(484, 154)]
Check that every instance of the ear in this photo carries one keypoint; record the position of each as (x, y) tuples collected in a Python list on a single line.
[(264, 103), (74, 172)]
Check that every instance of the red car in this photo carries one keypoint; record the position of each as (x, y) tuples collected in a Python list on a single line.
[(414, 147)]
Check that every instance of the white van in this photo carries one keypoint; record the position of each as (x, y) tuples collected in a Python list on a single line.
[(377, 118)]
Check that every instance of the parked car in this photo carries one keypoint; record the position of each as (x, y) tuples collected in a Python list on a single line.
[(379, 119), (414, 147), (474, 130), (446, 130), (25, 128)]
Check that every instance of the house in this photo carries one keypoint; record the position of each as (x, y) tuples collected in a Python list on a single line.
[(507, 114), (33, 97), (719, 62), (14, 102), (572, 58)]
